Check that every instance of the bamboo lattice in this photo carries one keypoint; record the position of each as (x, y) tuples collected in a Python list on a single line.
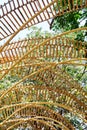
[(42, 87), (14, 13)]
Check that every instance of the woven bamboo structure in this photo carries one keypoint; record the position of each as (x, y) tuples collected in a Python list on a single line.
[(38, 11), (43, 93)]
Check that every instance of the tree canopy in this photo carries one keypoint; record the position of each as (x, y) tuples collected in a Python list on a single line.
[(71, 21)]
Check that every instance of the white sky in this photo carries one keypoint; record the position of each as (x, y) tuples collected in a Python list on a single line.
[(3, 1)]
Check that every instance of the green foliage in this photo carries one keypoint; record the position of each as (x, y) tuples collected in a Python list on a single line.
[(36, 32), (79, 74), (67, 22), (70, 21), (80, 36), (8, 81), (76, 122)]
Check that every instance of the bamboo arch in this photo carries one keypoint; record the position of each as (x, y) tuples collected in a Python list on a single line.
[(41, 93), (51, 86), (18, 98), (36, 124), (38, 111), (52, 49), (59, 52), (45, 74), (39, 11)]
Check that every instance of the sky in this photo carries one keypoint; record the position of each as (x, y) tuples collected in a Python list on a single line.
[(23, 33), (3, 1)]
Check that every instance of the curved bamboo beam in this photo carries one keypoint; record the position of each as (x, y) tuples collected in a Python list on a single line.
[(29, 120), (47, 123), (36, 47), (29, 20), (23, 80), (70, 99), (62, 121), (20, 18), (67, 63), (33, 119), (71, 85), (71, 110), (29, 76), (49, 66), (59, 35), (12, 52)]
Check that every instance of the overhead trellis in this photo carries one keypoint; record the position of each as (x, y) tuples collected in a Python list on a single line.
[(61, 49), (14, 13), (42, 86)]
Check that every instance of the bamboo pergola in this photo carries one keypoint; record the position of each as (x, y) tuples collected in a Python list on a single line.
[(43, 92)]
